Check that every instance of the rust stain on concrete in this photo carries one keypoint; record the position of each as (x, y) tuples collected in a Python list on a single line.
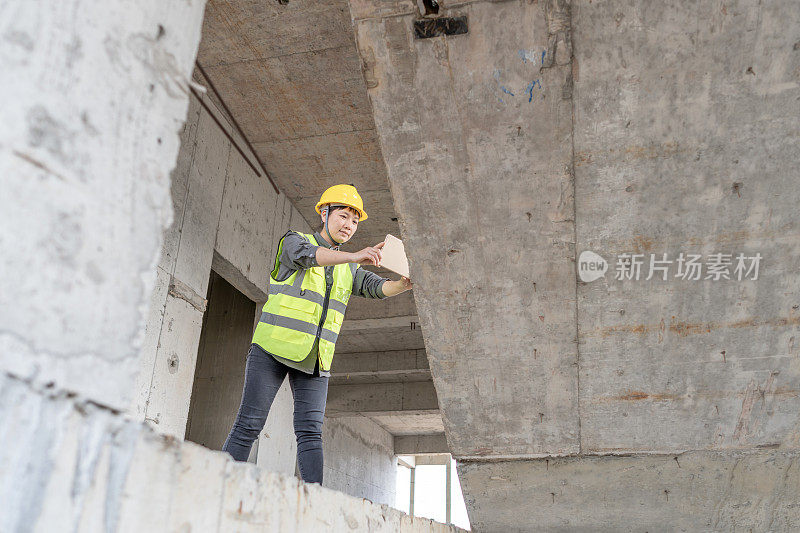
[(481, 451), (639, 329), (633, 152), (627, 244), (635, 396), (642, 244), (685, 329), (769, 391)]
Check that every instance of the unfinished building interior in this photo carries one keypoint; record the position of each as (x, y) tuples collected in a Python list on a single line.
[(153, 153)]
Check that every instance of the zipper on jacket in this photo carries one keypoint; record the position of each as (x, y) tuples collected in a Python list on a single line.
[(328, 288)]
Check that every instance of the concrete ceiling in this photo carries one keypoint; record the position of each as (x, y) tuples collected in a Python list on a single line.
[(291, 76)]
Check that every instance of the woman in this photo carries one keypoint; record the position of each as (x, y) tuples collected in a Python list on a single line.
[(309, 288)]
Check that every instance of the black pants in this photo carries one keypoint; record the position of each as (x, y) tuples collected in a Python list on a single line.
[(263, 377)]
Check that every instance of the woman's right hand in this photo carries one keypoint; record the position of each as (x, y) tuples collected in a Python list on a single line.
[(371, 255)]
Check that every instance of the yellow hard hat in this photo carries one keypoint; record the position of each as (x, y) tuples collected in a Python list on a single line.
[(343, 195)]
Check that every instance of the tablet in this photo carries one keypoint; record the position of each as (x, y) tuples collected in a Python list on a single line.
[(393, 256)]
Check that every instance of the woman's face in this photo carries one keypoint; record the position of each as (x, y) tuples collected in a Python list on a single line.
[(342, 223)]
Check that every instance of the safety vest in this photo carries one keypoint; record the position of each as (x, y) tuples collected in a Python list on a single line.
[(290, 320)]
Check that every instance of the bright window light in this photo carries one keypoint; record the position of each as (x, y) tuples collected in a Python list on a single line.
[(430, 486)]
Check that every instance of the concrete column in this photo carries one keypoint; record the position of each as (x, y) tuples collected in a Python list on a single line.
[(551, 128), (448, 482), (99, 94), (411, 492)]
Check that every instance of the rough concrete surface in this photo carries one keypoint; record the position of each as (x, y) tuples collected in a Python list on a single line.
[(458, 146), (99, 94), (359, 459), (683, 144), (227, 219), (219, 372), (555, 127), (694, 491), (84, 468)]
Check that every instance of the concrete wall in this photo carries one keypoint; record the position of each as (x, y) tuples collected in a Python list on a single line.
[(692, 491), (225, 216), (91, 114), (359, 459), (85, 468), (682, 144), (95, 95)]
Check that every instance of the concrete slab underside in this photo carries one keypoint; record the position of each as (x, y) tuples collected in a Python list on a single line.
[(694, 491), (664, 130), (290, 74)]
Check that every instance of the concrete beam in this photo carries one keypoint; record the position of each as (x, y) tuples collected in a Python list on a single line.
[(693, 491), (375, 367), (410, 423), (416, 444), (407, 462), (375, 361), (433, 459), (502, 348), (381, 399), (408, 321), (377, 340), (383, 376)]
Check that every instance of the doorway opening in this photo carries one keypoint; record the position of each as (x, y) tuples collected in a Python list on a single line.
[(221, 357)]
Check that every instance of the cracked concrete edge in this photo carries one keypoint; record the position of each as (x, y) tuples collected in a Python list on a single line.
[(99, 469)]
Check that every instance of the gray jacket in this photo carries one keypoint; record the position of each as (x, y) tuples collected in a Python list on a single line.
[(299, 253)]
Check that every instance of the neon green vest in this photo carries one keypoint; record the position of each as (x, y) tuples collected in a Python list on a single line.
[(290, 319)]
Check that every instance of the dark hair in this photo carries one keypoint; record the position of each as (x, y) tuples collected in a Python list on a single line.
[(334, 208)]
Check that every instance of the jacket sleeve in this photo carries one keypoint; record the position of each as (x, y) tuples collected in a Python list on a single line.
[(368, 284), (297, 253)]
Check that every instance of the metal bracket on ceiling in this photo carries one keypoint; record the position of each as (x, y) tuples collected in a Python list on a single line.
[(434, 27)]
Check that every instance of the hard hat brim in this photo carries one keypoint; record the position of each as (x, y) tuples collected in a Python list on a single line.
[(362, 214)]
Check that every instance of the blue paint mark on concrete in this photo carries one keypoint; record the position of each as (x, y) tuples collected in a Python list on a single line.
[(523, 55), (529, 89), (543, 53), (503, 88)]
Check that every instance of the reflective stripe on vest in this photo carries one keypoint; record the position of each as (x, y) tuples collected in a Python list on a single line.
[(290, 320), (295, 290)]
